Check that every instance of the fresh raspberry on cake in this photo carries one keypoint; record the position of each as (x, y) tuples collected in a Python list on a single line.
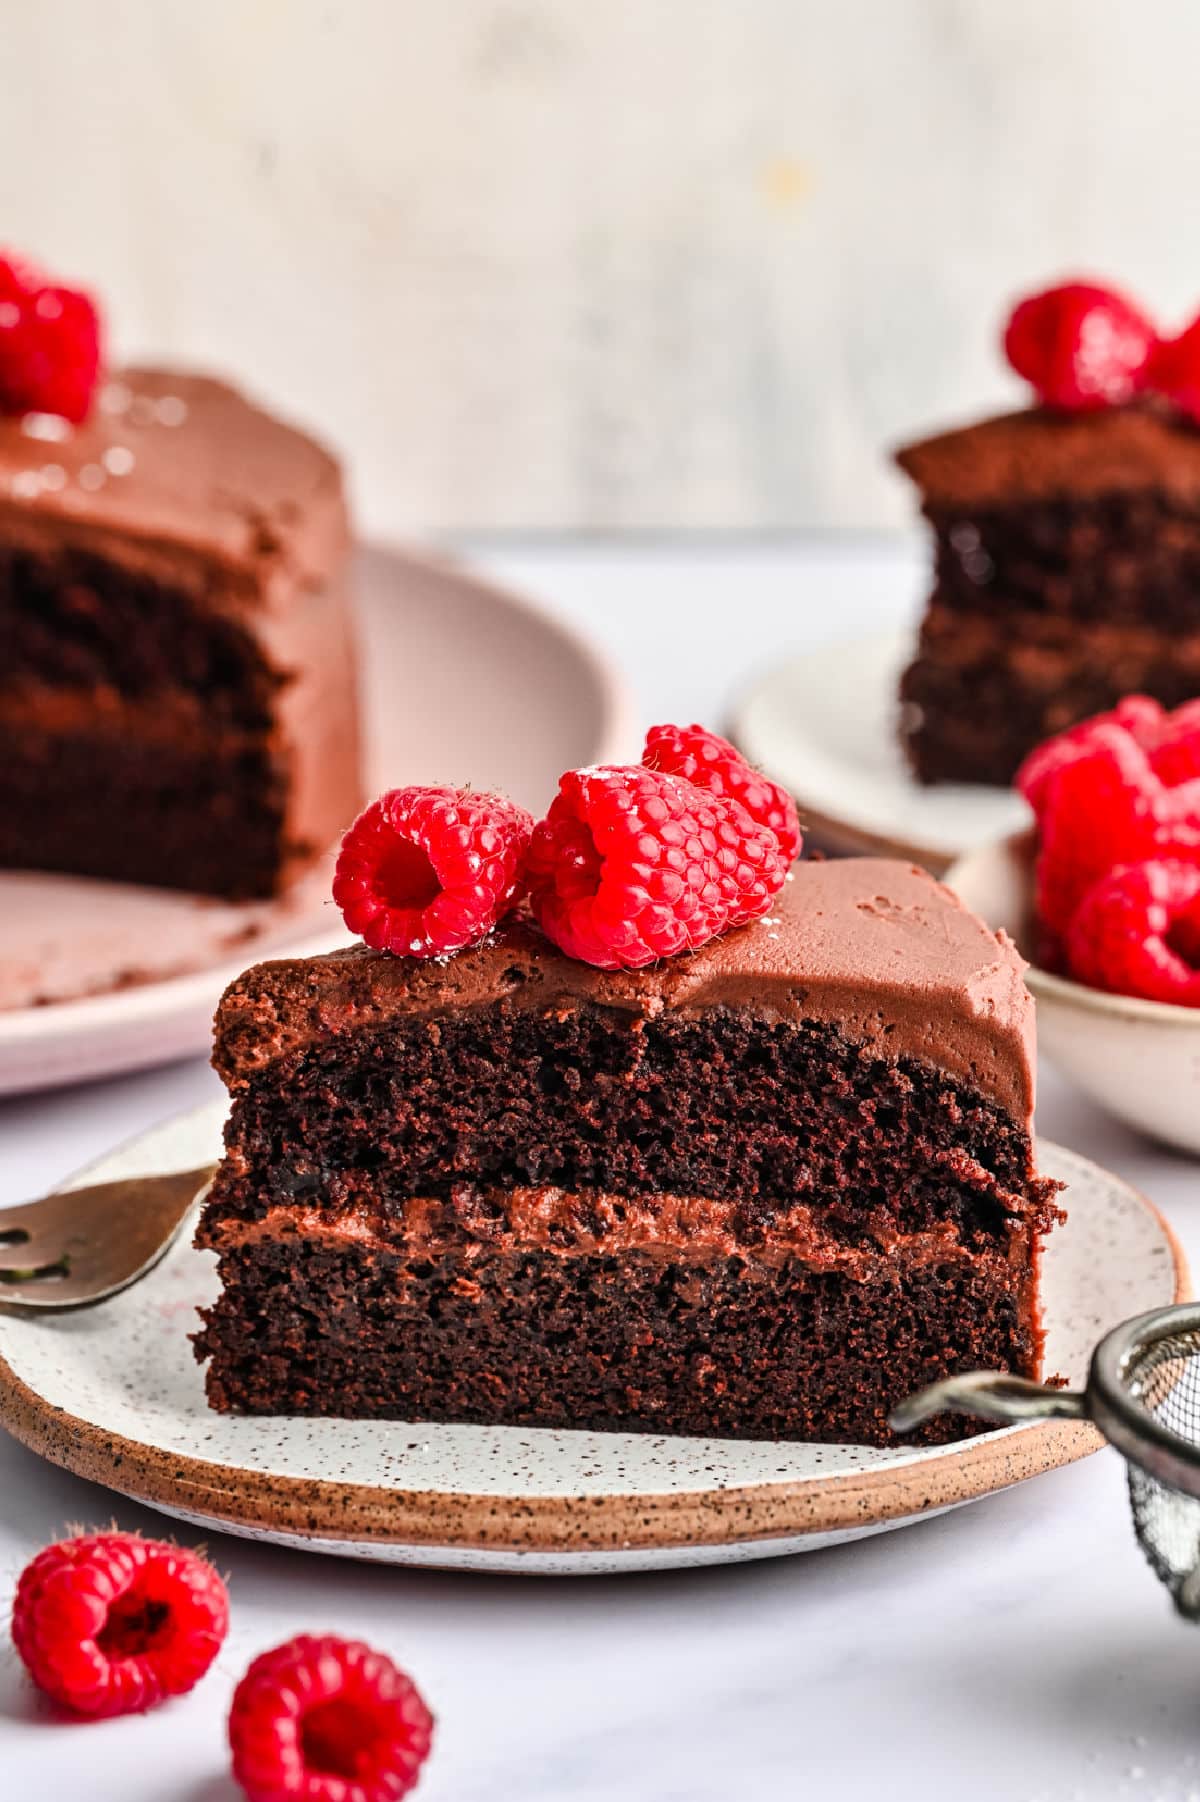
[(1137, 932), (327, 1720), (631, 865), (427, 871), (107, 1623), (49, 345), (1175, 370), (1080, 346), (713, 763)]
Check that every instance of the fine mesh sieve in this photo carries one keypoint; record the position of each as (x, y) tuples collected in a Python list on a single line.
[(1143, 1394)]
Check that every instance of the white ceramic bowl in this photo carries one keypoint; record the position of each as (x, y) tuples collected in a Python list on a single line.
[(1139, 1059)]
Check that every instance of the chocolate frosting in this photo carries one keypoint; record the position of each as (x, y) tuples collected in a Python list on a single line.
[(1037, 454), (186, 470), (179, 478), (874, 946)]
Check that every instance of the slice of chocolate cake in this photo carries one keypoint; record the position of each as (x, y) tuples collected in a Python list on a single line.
[(1067, 575), (762, 1189), (177, 689)]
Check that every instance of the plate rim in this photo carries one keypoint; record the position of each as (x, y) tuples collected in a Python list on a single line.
[(364, 1515), (143, 1003), (843, 836)]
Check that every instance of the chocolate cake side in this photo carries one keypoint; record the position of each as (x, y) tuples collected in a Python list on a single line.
[(762, 1190), (1067, 574), (177, 684)]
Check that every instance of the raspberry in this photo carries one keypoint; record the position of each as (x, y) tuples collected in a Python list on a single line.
[(1137, 932), (1175, 370), (631, 865), (1174, 745), (108, 1623), (1081, 346), (425, 871), (716, 765), (1108, 807), (1116, 789), (327, 1720), (49, 345), (1137, 715)]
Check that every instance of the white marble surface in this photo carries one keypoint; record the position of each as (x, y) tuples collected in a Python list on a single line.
[(1016, 1651), (640, 263)]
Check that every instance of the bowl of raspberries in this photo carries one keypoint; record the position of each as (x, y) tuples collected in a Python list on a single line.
[(1103, 897)]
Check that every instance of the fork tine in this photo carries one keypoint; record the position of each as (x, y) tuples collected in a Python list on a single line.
[(86, 1244)]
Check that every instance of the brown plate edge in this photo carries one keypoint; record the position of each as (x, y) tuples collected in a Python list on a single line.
[(838, 838), (360, 1514)]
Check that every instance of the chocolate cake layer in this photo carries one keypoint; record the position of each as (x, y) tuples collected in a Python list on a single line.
[(174, 635), (633, 1199), (209, 806), (1067, 575), (715, 1103), (539, 1309), (984, 689)]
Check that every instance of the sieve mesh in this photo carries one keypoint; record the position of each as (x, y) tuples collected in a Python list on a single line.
[(1164, 1376)]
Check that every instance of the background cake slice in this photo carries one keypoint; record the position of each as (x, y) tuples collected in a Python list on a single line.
[(1067, 574), (177, 685), (764, 1188)]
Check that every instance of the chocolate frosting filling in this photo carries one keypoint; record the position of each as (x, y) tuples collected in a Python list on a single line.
[(564, 1223)]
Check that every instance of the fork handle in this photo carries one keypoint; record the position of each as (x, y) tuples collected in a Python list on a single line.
[(993, 1395)]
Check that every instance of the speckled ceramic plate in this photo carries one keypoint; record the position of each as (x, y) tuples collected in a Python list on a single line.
[(113, 1393), (825, 724), (462, 683)]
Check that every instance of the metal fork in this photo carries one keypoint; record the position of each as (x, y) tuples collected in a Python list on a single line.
[(80, 1246)]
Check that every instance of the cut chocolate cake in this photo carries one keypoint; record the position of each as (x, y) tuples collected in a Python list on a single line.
[(1067, 575), (177, 692), (762, 1189)]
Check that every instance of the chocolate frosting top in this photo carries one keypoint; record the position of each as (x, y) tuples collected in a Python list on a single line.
[(1037, 454), (874, 946), (179, 461)]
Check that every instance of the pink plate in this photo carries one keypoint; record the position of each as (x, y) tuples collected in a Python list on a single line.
[(463, 683)]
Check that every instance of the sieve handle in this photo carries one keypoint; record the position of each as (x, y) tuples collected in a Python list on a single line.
[(992, 1395)]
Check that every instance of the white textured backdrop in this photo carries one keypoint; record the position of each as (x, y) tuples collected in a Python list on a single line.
[(602, 263)]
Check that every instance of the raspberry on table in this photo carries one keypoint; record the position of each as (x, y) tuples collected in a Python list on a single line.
[(1137, 932), (631, 865), (424, 872), (107, 1623), (1081, 346), (50, 349), (714, 764), (322, 1719)]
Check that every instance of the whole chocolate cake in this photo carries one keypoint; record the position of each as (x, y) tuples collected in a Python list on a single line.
[(177, 686), (764, 1188), (1067, 575)]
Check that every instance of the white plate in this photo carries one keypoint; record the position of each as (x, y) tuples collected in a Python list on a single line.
[(114, 1394), (825, 725), (462, 683)]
